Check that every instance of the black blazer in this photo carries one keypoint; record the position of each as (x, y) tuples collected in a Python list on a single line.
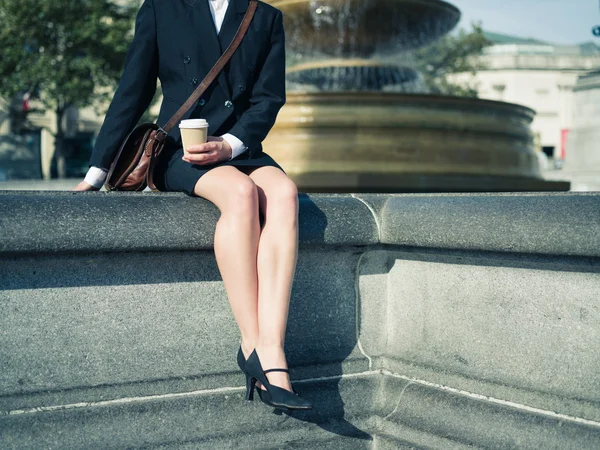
[(176, 42)]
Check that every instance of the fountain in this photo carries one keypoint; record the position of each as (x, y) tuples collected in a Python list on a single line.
[(356, 122)]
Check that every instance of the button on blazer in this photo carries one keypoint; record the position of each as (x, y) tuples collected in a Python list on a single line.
[(176, 42)]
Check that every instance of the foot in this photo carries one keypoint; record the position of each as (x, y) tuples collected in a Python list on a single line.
[(271, 358), (279, 393)]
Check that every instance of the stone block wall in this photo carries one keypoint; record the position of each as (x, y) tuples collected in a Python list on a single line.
[(416, 321)]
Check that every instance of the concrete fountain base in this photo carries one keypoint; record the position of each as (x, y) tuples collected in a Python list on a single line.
[(354, 182), (391, 142)]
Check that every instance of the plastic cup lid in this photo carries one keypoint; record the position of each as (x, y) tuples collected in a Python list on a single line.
[(193, 123)]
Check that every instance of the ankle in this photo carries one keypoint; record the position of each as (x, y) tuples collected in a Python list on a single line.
[(248, 345), (269, 344)]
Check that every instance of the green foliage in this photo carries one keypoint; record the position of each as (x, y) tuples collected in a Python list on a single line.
[(66, 52), (455, 53)]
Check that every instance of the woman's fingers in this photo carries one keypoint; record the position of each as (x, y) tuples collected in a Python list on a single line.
[(207, 157), (204, 148), (207, 153)]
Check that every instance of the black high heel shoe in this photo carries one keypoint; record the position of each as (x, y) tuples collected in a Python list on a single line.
[(272, 395), (250, 384), (241, 360)]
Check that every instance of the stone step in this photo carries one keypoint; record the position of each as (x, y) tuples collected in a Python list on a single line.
[(364, 411), (218, 417)]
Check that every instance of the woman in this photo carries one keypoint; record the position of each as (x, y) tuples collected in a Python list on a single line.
[(178, 42)]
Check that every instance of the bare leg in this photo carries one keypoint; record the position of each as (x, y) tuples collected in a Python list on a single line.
[(276, 263), (236, 243)]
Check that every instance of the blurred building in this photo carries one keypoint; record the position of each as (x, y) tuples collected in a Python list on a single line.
[(539, 75), (29, 153)]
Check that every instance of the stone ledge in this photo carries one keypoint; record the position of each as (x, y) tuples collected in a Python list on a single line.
[(544, 223), (41, 222)]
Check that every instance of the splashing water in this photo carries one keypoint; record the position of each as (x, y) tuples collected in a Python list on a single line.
[(359, 30)]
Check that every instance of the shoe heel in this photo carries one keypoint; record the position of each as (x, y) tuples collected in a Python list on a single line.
[(250, 382)]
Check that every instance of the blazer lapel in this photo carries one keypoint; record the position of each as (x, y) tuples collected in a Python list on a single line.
[(231, 22), (203, 26)]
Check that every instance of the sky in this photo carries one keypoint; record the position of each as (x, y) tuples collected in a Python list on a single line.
[(555, 21)]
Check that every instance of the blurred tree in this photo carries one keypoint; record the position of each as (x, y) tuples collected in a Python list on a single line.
[(455, 53), (63, 53)]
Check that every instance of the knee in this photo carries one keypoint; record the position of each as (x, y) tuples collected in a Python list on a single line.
[(285, 199), (243, 197), (288, 193)]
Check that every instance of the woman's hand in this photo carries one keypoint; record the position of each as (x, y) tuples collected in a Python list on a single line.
[(216, 149), (83, 186)]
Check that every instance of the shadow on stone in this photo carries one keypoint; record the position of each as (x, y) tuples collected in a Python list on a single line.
[(340, 427), (335, 322)]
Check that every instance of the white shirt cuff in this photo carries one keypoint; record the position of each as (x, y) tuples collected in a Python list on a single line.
[(237, 146), (95, 176)]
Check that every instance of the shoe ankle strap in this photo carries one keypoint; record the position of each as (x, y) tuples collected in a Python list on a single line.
[(276, 370)]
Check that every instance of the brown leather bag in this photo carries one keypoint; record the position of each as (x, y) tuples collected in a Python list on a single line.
[(132, 169)]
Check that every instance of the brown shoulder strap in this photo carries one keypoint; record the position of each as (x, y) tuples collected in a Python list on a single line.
[(210, 77)]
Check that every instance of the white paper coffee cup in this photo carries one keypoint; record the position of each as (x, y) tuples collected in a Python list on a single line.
[(193, 132)]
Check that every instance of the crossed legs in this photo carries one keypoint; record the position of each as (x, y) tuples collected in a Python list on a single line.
[(257, 263)]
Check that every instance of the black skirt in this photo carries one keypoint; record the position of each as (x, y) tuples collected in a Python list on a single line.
[(173, 174)]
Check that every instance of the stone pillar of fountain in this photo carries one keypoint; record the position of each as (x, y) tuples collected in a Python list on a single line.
[(582, 163), (345, 132)]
